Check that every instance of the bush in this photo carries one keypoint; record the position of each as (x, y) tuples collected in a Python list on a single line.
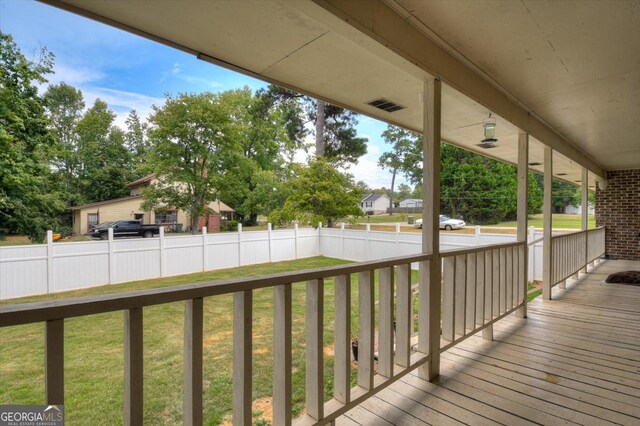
[(230, 225)]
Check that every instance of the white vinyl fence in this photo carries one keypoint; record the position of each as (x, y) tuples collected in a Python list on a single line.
[(54, 267), (375, 245)]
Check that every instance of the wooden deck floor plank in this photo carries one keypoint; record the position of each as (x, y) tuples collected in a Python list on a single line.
[(390, 412), (584, 406), (567, 352), (606, 388), (568, 388), (591, 369), (485, 410), (364, 417), (584, 384), (425, 407), (533, 332), (476, 389)]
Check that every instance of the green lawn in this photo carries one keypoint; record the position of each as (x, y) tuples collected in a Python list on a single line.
[(94, 352), (394, 218), (569, 221)]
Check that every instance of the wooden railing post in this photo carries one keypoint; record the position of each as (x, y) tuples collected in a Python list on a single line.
[(133, 367), (282, 355), (315, 346), (366, 302), (242, 356), (385, 334), (403, 317), (54, 362), (192, 394), (585, 215), (342, 339)]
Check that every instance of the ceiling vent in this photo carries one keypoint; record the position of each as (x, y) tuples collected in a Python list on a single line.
[(535, 164), (561, 174), (386, 105)]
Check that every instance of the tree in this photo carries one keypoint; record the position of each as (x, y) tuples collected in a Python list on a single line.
[(480, 189), (193, 153), (137, 143), (319, 193), (267, 132), (29, 198), (104, 161), (335, 135), (404, 192), (64, 106), (404, 157)]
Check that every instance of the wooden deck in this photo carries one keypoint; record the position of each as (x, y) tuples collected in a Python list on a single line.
[(574, 360)]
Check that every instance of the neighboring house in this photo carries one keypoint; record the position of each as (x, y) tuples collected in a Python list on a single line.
[(374, 203), (410, 203), (89, 215), (578, 210)]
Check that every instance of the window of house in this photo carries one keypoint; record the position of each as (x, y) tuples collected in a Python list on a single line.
[(368, 204), (92, 221), (170, 216)]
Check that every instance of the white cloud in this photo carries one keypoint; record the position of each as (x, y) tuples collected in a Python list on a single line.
[(121, 102), (74, 76)]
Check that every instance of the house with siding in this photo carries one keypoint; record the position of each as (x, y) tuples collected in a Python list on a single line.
[(374, 203), (89, 215)]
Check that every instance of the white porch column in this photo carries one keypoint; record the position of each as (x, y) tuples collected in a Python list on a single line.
[(523, 202), (429, 285), (547, 255), (585, 214)]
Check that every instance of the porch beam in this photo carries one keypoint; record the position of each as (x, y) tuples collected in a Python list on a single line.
[(430, 272), (523, 202), (392, 28), (547, 256)]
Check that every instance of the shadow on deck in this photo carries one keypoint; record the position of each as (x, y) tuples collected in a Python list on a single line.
[(574, 360)]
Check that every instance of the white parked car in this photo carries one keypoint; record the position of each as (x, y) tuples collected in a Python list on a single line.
[(445, 223)]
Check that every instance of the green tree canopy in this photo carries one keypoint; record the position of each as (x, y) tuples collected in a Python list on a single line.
[(479, 189), (29, 198), (104, 161), (193, 152), (319, 193), (404, 157)]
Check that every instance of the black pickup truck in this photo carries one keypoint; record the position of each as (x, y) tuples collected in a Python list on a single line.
[(124, 228)]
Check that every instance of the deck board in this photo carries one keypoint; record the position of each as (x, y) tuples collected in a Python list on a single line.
[(574, 360)]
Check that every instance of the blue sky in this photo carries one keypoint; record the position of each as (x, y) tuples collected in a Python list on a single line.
[(130, 72)]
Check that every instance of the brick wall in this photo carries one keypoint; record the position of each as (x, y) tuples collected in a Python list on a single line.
[(618, 208)]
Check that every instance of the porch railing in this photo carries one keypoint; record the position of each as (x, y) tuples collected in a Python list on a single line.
[(480, 286), (572, 252)]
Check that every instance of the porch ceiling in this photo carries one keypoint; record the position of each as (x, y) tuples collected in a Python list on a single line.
[(304, 46)]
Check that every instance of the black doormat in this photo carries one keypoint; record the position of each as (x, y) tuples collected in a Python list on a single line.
[(626, 277)]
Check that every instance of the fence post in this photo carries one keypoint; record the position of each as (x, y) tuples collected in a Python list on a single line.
[(342, 238), (295, 230), (477, 235), (368, 242), (204, 248), (49, 261), (270, 242), (163, 263), (239, 244), (397, 238), (111, 257), (319, 238)]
